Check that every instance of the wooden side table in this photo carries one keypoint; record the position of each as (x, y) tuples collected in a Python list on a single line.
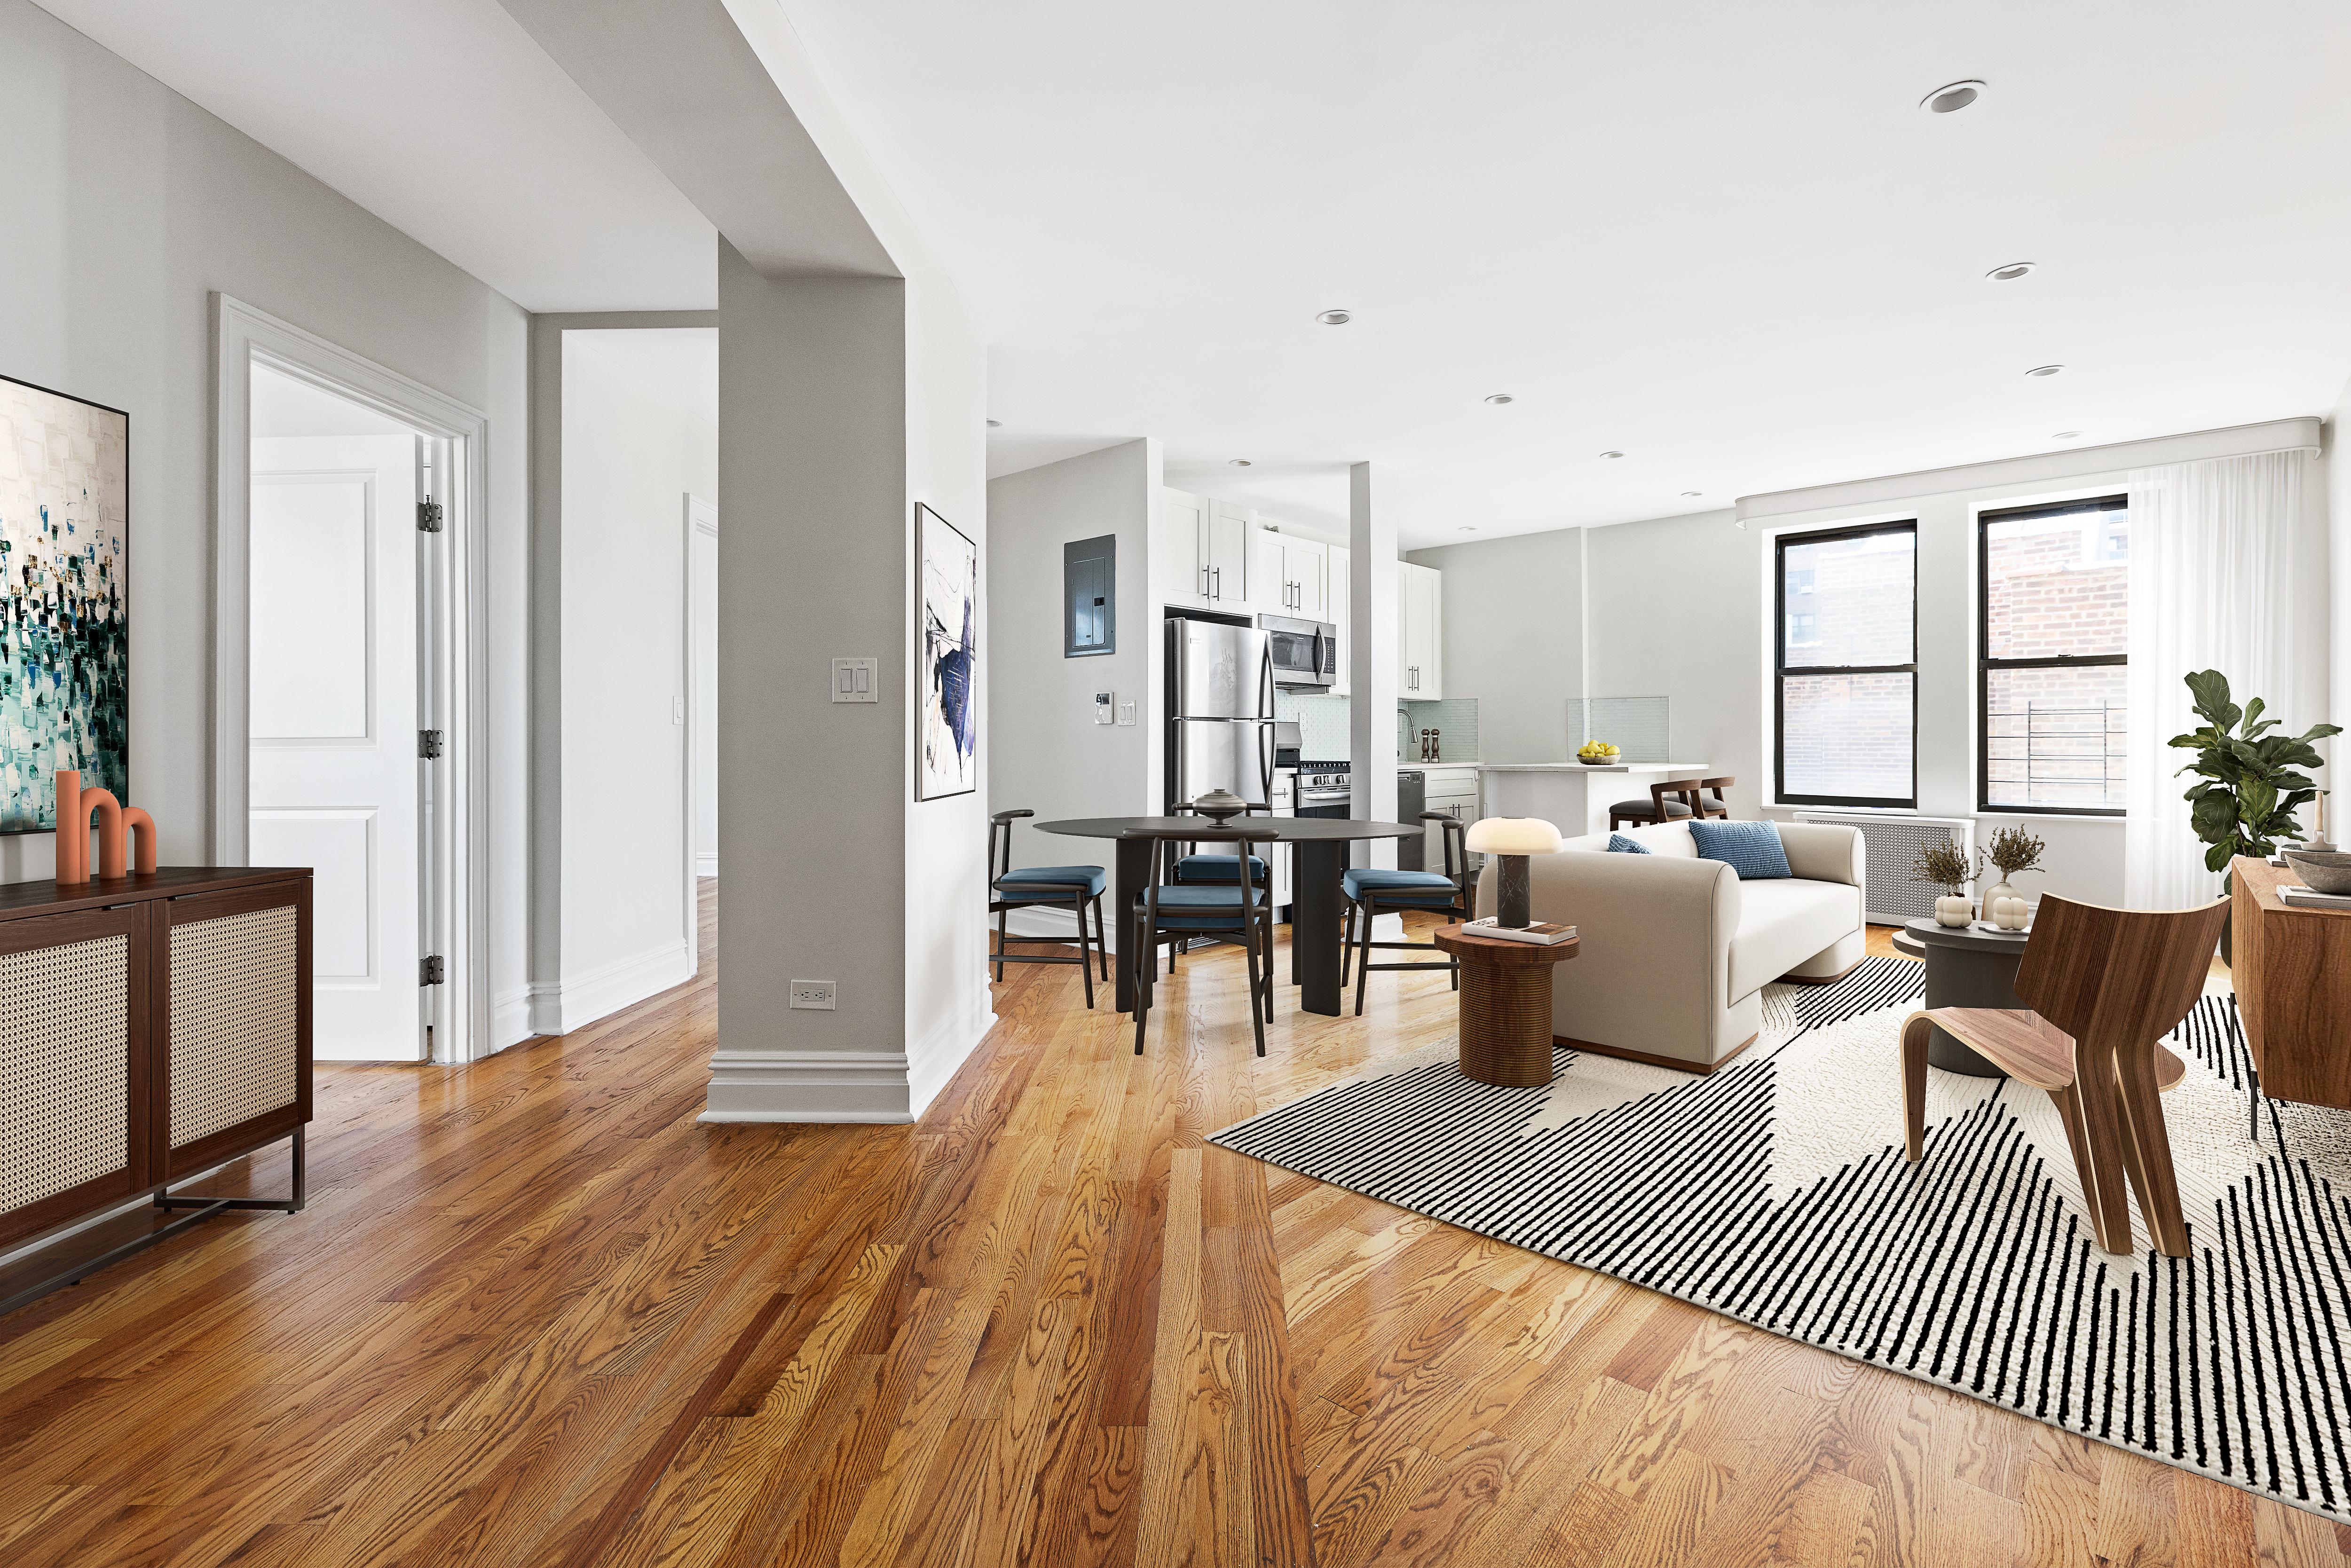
[(1505, 1005), (2292, 970)]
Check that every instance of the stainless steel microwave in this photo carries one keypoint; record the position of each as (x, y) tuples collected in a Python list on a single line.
[(1305, 653)]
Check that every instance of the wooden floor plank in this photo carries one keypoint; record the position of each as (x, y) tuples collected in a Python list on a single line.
[(537, 1314)]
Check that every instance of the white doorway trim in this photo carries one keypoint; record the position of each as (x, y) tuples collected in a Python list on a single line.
[(701, 520), (458, 690)]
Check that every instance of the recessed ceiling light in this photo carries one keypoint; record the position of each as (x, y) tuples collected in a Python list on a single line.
[(1468, 527), (1501, 397), (2045, 370), (1688, 494), (2012, 272), (1335, 318), (1951, 97), (1612, 454), (2067, 435), (995, 423), (1238, 461)]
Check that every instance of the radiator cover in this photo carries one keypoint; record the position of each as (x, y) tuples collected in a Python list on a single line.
[(1888, 896)]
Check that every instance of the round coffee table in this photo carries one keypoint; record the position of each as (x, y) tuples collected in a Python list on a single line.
[(1505, 1005), (1967, 967)]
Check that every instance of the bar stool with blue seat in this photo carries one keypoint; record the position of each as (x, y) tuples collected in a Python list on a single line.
[(1371, 893), (1172, 912), (1070, 886)]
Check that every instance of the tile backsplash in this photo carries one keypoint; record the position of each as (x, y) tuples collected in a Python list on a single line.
[(1323, 724), (1455, 720)]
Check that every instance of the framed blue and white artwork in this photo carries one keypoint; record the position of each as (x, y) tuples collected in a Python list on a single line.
[(947, 726), (65, 646)]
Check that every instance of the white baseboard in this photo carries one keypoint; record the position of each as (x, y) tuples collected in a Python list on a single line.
[(707, 864), (510, 1018), (932, 1059), (576, 1000), (808, 1086)]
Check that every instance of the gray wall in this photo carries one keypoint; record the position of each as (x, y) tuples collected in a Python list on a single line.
[(1045, 753), (129, 207), (1513, 639)]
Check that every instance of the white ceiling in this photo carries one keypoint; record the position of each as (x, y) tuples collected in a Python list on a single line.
[(445, 119), (1717, 236), (679, 363)]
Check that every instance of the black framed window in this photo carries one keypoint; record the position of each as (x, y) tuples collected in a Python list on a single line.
[(1846, 676), (2054, 627)]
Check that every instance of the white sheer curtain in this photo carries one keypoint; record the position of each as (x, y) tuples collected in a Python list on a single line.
[(2213, 570)]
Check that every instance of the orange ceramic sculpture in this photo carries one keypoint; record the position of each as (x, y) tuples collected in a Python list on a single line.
[(114, 823)]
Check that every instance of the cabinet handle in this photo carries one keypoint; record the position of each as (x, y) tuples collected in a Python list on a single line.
[(1204, 582)]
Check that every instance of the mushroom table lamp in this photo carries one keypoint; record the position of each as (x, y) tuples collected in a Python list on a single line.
[(1513, 839)]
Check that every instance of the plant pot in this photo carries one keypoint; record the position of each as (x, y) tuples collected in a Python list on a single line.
[(1954, 912)]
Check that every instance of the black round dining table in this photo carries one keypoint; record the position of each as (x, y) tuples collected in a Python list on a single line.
[(1315, 898)]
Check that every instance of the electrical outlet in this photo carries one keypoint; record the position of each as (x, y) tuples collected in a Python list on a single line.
[(677, 710), (812, 994)]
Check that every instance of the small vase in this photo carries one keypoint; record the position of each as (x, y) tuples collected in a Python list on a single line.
[(1996, 889), (1954, 912)]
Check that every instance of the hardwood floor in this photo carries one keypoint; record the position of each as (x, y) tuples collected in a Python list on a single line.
[(537, 1314)]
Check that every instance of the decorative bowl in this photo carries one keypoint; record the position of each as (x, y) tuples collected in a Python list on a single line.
[(2321, 873), (1220, 806), (1603, 761)]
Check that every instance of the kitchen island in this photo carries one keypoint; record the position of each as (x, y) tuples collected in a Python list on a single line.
[(1571, 796)]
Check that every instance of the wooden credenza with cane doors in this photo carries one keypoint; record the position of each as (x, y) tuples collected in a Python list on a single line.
[(150, 1028)]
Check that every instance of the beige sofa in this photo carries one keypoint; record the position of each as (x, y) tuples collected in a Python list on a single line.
[(1674, 951)]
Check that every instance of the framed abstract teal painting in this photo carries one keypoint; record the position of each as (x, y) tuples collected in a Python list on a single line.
[(64, 651)]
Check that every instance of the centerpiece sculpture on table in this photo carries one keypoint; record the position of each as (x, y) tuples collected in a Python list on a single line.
[(2015, 852), (115, 821), (1946, 867)]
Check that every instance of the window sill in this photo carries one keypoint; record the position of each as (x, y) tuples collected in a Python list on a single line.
[(1900, 811)]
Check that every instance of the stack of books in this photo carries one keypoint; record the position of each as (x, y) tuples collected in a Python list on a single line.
[(2304, 898), (1543, 933)]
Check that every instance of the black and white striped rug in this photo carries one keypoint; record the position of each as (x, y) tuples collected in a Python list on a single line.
[(1775, 1192)]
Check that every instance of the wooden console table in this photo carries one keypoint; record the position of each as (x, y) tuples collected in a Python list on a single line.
[(2292, 969), (152, 1027)]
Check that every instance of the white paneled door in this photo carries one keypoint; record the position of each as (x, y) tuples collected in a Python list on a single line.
[(336, 775)]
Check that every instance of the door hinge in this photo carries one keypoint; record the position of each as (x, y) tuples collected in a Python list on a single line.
[(429, 972), (428, 515), (428, 743)]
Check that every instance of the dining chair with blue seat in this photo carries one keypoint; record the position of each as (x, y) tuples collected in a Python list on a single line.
[(1192, 867), (1072, 887), (1172, 913), (1371, 891)]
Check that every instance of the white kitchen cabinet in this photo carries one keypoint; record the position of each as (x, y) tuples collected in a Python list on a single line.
[(1284, 801), (1296, 583), (1200, 550), (1454, 791), (1420, 632)]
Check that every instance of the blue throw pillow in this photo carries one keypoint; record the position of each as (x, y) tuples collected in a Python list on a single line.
[(1618, 844), (1751, 848)]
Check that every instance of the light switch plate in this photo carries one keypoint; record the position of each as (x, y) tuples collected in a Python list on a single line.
[(856, 680), (1126, 714), (1102, 703)]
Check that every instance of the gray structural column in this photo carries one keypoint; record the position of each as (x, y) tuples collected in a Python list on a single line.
[(1372, 630), (812, 474)]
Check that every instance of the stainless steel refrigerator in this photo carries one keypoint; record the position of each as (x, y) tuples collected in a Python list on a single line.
[(1219, 710)]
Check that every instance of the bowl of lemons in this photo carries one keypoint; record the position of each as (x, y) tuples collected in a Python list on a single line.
[(1597, 754)]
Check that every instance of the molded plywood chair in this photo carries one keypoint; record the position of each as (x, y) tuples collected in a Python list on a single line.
[(1173, 912), (1070, 886), (2106, 985)]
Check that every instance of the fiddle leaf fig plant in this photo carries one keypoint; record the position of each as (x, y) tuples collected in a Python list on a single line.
[(2249, 784)]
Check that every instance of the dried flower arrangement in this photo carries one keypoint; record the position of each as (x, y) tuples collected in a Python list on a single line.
[(2015, 852), (1943, 865)]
